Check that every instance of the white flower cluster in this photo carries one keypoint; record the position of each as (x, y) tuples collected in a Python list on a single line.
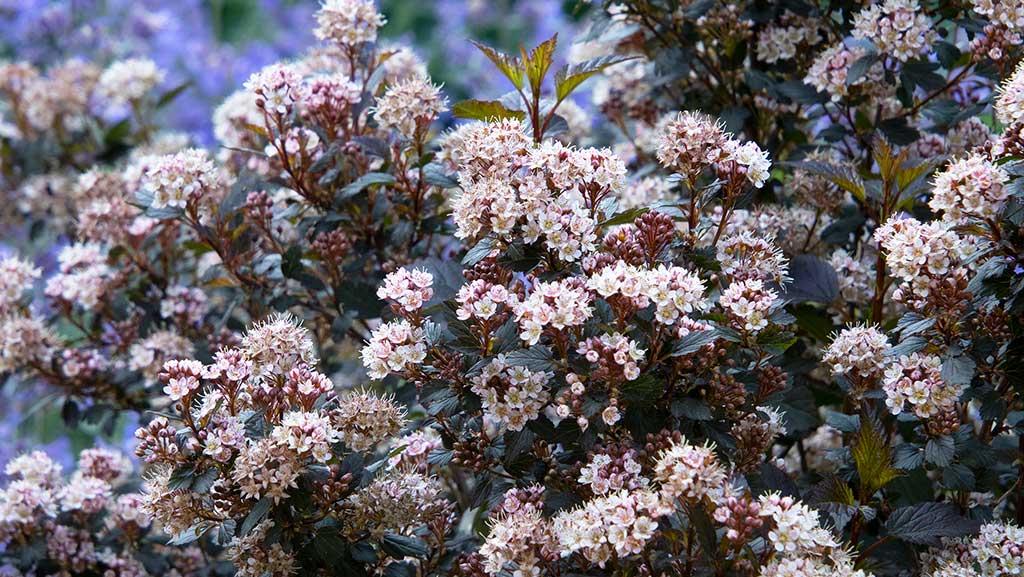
[(748, 159), (617, 524), (859, 351), (409, 289), (551, 191), (795, 528), (482, 300), (971, 187), (830, 69), (690, 473), (917, 252), (748, 304), (511, 395), (897, 27), (348, 23), (645, 192), (916, 380), (410, 106), (176, 179), (604, 474), (782, 42), (997, 551), (554, 305), (1010, 98), (129, 81), (745, 257), (16, 278), (1009, 13), (394, 347), (675, 291), (83, 277)]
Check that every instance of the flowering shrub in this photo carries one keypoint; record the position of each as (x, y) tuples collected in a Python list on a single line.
[(765, 320)]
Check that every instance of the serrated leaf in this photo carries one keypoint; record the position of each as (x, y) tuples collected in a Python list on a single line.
[(927, 523), (842, 176), (813, 280), (485, 110), (571, 76), (536, 358), (510, 66), (940, 451), (873, 458), (694, 342), (538, 62)]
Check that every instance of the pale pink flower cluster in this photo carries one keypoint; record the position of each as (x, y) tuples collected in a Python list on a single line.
[(307, 434), (748, 304), (24, 340), (1009, 13), (557, 305), (856, 276), (829, 71), (1010, 98), (397, 501), (675, 292), (148, 355), (858, 350), (690, 473), (794, 527), (965, 136), (277, 87), (481, 300), (363, 419), (83, 276), (916, 380), (408, 289), (520, 538), (781, 42), (413, 450), (551, 191), (277, 345), (175, 180), (745, 158), (348, 23), (328, 95), (617, 524), (618, 348), (16, 278), (129, 81), (917, 252), (253, 558), (482, 149), (188, 304), (36, 467), (746, 257), (394, 347), (264, 468), (971, 187), (511, 395), (105, 464), (604, 474), (410, 106), (997, 550), (690, 142), (86, 494), (811, 566), (897, 27)]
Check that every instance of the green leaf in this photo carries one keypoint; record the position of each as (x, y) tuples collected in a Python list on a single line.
[(538, 62), (485, 110), (926, 523), (873, 458), (571, 76), (401, 546), (842, 176), (510, 66), (366, 180), (258, 512), (535, 358), (169, 96)]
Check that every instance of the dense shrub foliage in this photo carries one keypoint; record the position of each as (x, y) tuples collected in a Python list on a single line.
[(755, 309)]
